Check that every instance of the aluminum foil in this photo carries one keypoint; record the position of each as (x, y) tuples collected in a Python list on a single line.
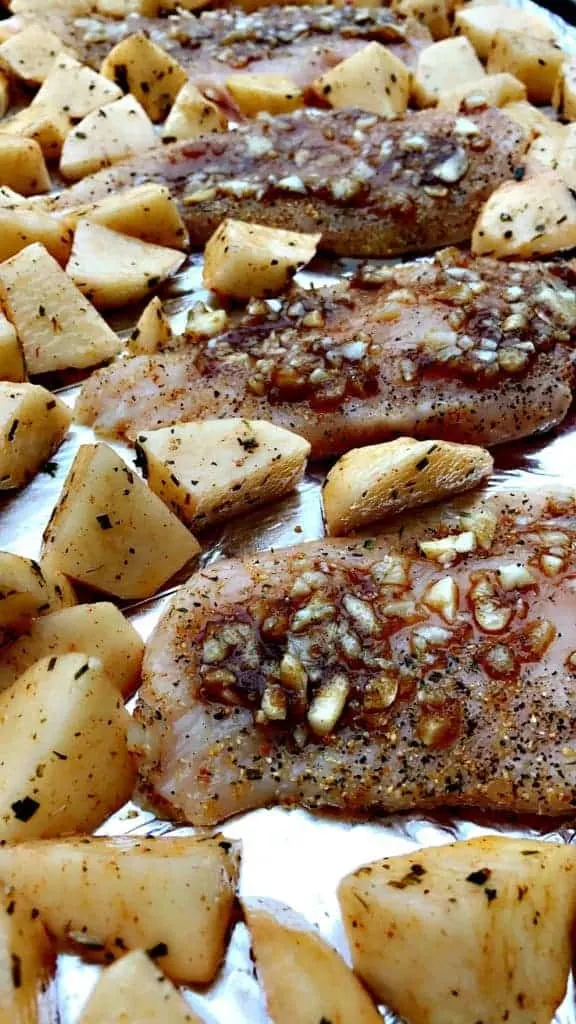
[(290, 855)]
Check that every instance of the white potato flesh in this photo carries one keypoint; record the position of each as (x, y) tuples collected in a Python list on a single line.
[(556, 152), (152, 332), (532, 217), (30, 54), (98, 630), (488, 91), (435, 14), (75, 89), (66, 766), (247, 260), (22, 165), (147, 71), (10, 198), (530, 118), (536, 62), (11, 355), (113, 132), (133, 989), (59, 329), (173, 897), (111, 532), (564, 94), (27, 963), (484, 924), (372, 79), (261, 91), (28, 590), (45, 125), (33, 424), (148, 212), (304, 979), (114, 270), (210, 471), (481, 24), (21, 226), (442, 66), (192, 116)]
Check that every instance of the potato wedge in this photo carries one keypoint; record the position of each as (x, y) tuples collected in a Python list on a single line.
[(113, 132), (98, 630), (247, 260), (63, 329), (22, 165), (152, 332), (111, 532), (21, 226), (427, 929), (435, 14), (30, 54), (527, 218), (144, 69), (481, 24), (536, 62), (33, 424), (304, 979), (210, 471), (380, 480), (28, 959), (133, 989), (148, 212), (488, 91), (28, 590), (11, 355), (564, 92), (60, 724), (172, 896), (372, 79), (192, 116), (114, 270), (444, 65), (45, 125), (75, 89), (254, 92)]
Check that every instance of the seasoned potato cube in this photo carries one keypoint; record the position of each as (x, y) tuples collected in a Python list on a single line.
[(152, 332), (61, 329), (111, 532), (536, 62), (555, 152), (435, 14), (110, 133), (481, 24), (488, 91), (134, 989), (113, 270), (28, 959), (22, 165), (428, 928), (21, 226), (147, 71), (74, 89), (147, 211), (212, 470), (98, 630), (11, 356), (564, 94), (534, 121), (192, 116), (372, 79), (257, 91), (304, 979), (28, 590), (172, 896), (31, 53), (47, 126), (527, 218), (380, 480), (248, 260), (33, 423), (442, 66)]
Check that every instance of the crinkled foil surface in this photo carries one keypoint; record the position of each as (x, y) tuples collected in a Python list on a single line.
[(290, 855)]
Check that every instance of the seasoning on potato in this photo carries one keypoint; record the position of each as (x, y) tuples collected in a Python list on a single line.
[(531, 217), (134, 989), (245, 260), (33, 424)]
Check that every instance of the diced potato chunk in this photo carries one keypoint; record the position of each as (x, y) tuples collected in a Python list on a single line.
[(27, 590), (435, 14), (444, 65), (303, 977), (28, 959), (527, 218), (47, 126), (20, 227), (256, 91), (555, 152), (111, 532), (173, 897), (481, 24), (60, 329), (134, 989), (192, 116), (60, 724), (113, 270), (33, 423), (247, 260), (11, 355), (30, 54), (372, 79), (488, 91), (152, 332), (147, 71), (22, 165), (533, 120), (74, 89), (147, 211), (564, 94), (212, 470), (98, 630), (111, 133), (4, 93), (536, 62)]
